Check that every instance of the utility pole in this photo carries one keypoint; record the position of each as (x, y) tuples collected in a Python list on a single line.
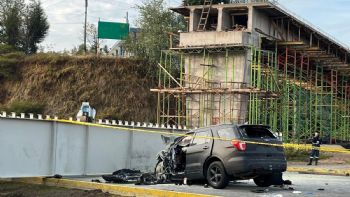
[(86, 6), (127, 17)]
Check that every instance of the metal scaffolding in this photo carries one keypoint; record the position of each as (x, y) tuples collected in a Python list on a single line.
[(290, 90), (197, 101), (295, 79)]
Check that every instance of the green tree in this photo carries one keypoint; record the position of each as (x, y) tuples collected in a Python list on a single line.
[(105, 49), (155, 21), (93, 42), (22, 26), (78, 50), (11, 22), (36, 27)]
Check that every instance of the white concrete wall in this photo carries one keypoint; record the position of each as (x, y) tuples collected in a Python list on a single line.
[(30, 148), (24, 147)]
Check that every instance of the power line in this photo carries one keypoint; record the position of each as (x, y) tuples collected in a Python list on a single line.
[(69, 23), (54, 3)]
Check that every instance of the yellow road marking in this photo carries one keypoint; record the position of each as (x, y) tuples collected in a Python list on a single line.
[(111, 188), (341, 172)]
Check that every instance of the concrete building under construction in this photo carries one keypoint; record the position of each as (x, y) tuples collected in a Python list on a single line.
[(254, 61)]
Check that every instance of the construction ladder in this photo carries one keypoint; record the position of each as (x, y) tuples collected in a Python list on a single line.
[(205, 15)]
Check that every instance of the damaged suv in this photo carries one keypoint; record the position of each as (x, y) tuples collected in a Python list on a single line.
[(252, 152)]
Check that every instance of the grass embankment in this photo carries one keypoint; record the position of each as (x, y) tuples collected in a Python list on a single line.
[(57, 85), (302, 155)]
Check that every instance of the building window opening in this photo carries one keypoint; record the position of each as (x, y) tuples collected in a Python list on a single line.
[(240, 22), (206, 21), (212, 23)]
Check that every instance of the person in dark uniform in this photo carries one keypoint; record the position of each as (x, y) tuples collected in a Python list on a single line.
[(315, 152)]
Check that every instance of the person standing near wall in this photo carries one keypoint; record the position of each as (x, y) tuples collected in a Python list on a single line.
[(315, 152)]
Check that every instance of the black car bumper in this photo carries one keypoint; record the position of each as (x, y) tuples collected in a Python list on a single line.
[(242, 167)]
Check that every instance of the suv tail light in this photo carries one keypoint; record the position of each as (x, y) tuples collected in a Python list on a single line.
[(241, 146)]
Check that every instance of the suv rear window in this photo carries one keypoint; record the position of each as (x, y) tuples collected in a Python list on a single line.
[(256, 132)]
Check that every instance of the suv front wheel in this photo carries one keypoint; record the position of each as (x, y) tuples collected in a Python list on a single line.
[(216, 175)]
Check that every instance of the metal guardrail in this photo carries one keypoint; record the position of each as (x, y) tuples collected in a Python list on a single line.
[(31, 116)]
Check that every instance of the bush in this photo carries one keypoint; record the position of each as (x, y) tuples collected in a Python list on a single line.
[(9, 59), (296, 154), (4, 49), (26, 107)]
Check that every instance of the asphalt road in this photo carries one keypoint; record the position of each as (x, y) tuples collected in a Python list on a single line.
[(303, 185)]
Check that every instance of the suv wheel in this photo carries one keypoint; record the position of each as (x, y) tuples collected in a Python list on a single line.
[(216, 175), (263, 181)]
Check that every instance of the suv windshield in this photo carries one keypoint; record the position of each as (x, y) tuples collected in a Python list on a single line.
[(256, 132)]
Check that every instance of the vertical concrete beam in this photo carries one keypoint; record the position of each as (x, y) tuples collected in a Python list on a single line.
[(194, 20), (54, 130), (191, 23), (220, 20), (251, 18), (86, 150), (129, 150)]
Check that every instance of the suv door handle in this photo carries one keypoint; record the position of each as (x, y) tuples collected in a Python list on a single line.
[(206, 147)]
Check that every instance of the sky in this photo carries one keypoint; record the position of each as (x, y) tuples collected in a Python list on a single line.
[(66, 17)]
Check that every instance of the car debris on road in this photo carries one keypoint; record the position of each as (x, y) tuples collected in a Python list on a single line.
[(131, 176)]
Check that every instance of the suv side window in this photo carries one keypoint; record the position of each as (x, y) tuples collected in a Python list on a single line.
[(201, 137), (226, 133)]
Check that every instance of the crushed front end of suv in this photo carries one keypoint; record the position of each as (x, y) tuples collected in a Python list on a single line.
[(219, 154)]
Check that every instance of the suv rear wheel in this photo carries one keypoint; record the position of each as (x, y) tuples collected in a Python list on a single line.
[(216, 175), (263, 181)]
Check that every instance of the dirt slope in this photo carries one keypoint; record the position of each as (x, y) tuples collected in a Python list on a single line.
[(117, 88)]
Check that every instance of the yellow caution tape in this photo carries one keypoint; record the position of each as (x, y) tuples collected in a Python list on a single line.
[(285, 145)]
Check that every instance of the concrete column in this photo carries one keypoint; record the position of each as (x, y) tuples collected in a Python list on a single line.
[(250, 18), (191, 23), (220, 19), (194, 20)]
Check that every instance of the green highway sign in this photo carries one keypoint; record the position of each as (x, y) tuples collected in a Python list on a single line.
[(112, 30)]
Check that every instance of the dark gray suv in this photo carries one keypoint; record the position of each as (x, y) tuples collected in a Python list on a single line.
[(203, 155)]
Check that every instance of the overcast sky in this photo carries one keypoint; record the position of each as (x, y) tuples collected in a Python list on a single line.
[(66, 17)]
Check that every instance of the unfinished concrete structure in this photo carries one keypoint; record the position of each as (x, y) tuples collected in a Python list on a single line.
[(253, 61)]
